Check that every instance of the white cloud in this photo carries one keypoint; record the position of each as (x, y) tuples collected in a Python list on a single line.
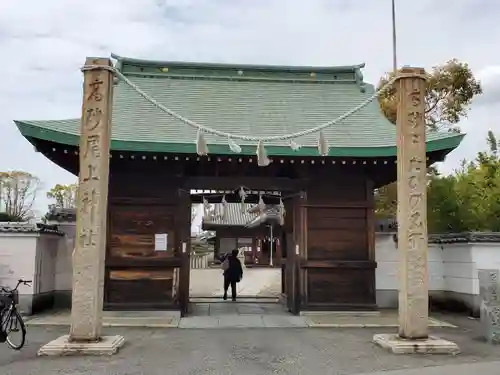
[(44, 43)]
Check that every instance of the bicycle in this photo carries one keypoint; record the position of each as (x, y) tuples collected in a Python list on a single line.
[(10, 319)]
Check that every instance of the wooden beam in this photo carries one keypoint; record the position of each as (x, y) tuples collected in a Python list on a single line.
[(253, 183), (233, 198)]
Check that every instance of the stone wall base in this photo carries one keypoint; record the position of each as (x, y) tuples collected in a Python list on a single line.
[(108, 345), (30, 304), (62, 299), (433, 345)]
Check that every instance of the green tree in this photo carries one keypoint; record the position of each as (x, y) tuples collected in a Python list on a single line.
[(64, 195), (450, 89), (469, 199)]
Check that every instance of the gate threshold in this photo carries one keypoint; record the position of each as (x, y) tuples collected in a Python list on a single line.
[(242, 299)]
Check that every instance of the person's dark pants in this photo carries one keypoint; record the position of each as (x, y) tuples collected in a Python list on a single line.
[(228, 282)]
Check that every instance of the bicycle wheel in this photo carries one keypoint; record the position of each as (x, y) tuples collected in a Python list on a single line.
[(14, 329)]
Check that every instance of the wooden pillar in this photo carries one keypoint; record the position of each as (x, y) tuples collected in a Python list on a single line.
[(217, 246), (278, 248), (259, 250), (90, 244), (412, 205)]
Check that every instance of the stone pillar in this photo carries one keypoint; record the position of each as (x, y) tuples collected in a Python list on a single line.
[(90, 242), (489, 291), (412, 205), (92, 201), (412, 223)]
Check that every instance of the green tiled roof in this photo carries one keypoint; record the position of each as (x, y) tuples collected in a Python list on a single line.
[(245, 100)]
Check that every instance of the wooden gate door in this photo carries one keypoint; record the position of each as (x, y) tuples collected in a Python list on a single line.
[(183, 230), (140, 276), (294, 235)]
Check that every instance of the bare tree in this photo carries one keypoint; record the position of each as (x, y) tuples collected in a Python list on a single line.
[(18, 191)]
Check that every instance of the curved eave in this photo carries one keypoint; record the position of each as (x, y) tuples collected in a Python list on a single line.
[(277, 68), (30, 131)]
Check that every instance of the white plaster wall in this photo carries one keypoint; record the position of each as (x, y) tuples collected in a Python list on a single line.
[(45, 258), (459, 270), (63, 264), (387, 258), (485, 256), (17, 260), (462, 262)]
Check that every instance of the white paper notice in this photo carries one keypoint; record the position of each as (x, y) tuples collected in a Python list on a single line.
[(161, 241)]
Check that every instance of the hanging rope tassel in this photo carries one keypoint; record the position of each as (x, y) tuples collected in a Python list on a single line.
[(243, 196), (323, 145), (262, 159), (233, 146), (206, 209), (217, 211), (282, 212), (294, 145), (201, 144)]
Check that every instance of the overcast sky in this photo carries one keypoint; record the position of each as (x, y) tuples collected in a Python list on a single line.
[(44, 43)]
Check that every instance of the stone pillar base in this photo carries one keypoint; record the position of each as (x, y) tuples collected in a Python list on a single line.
[(433, 345), (108, 345)]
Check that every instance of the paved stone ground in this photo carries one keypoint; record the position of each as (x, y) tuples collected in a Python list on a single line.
[(236, 315), (217, 313), (263, 282), (252, 351)]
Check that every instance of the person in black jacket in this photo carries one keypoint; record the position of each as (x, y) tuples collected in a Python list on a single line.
[(233, 273)]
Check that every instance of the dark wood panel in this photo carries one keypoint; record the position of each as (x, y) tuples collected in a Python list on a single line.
[(333, 223), (340, 286), (332, 218), (336, 245), (139, 246), (337, 251), (360, 264), (319, 214), (137, 276), (133, 228), (141, 220), (144, 185), (317, 236), (139, 286), (343, 204), (121, 262), (348, 190), (370, 221)]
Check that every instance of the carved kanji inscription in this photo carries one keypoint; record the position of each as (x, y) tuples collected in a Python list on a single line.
[(92, 119), (92, 146), (412, 211)]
